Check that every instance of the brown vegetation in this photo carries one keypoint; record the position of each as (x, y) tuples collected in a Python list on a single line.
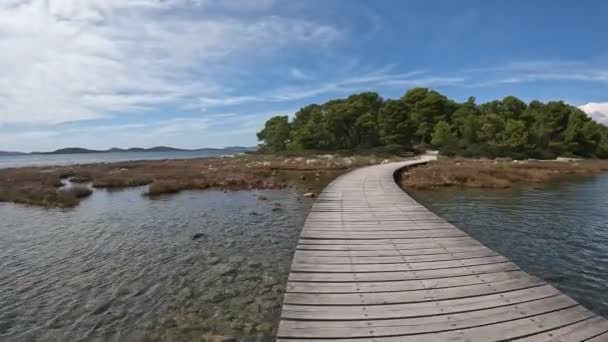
[(43, 185), (495, 174)]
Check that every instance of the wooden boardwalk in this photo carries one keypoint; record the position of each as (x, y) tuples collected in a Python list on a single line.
[(374, 265)]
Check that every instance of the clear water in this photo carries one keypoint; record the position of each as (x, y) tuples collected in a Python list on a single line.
[(558, 232), (121, 267), (87, 158)]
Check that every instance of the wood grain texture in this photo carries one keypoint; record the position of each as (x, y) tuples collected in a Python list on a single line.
[(374, 265)]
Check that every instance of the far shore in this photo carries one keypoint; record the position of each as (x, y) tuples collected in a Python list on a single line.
[(66, 186), (497, 174), (46, 185)]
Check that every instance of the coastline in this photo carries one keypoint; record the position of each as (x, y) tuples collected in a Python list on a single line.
[(46, 185), (67, 185), (496, 174)]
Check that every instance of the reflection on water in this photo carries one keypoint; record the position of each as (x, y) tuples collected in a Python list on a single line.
[(124, 267), (558, 232), (107, 157)]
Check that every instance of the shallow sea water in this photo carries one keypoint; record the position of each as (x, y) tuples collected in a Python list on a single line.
[(556, 231), (122, 267)]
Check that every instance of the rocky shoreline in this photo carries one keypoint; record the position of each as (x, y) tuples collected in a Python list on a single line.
[(43, 186)]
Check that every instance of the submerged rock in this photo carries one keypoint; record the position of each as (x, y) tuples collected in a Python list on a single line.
[(254, 264), (213, 260), (269, 280), (224, 269), (237, 259), (198, 236)]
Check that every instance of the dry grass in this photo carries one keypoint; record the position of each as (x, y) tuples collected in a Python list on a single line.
[(40, 185), (495, 174)]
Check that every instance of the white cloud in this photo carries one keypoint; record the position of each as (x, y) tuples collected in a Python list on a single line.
[(364, 81), (69, 60), (597, 110), (537, 71), (299, 75)]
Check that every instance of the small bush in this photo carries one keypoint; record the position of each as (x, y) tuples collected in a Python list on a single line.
[(120, 181), (165, 187)]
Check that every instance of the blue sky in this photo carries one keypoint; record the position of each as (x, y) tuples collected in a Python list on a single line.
[(208, 73)]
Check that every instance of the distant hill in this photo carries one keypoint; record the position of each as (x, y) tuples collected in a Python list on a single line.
[(77, 150), (10, 154)]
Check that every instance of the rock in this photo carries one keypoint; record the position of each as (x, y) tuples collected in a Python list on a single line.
[(184, 294), (276, 209), (168, 322), (197, 236), (385, 161), (264, 327), (224, 269), (247, 327), (220, 338), (302, 178), (269, 280), (213, 260), (262, 198), (214, 297), (254, 264), (101, 308), (277, 204), (310, 195), (268, 305), (236, 259)]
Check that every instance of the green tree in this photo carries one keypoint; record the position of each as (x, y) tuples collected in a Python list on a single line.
[(512, 108), (442, 135), (345, 125), (507, 127), (516, 135), (276, 133), (467, 122), (395, 125), (428, 107), (312, 135), (492, 128)]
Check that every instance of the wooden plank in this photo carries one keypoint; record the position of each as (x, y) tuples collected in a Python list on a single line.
[(391, 252), (425, 324), (426, 295), (404, 275), (502, 331), (404, 248), (365, 268), (332, 260), (441, 307), (386, 235), (600, 338), (581, 331), (413, 242), (374, 265), (403, 285)]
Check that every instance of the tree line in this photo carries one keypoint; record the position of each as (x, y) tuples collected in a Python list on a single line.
[(500, 128)]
